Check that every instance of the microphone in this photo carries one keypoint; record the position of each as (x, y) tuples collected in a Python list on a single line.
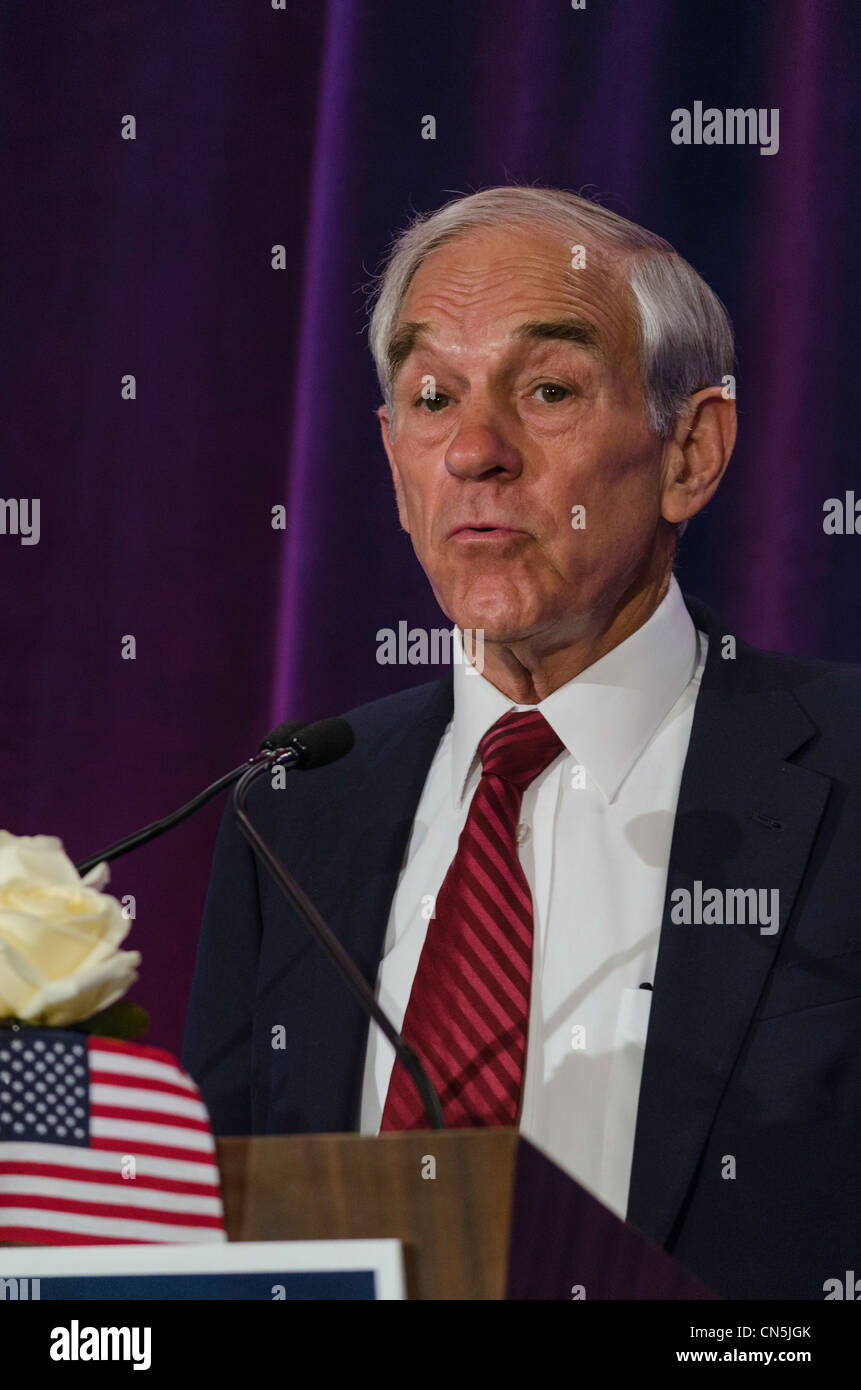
[(312, 745), (280, 738), (325, 742)]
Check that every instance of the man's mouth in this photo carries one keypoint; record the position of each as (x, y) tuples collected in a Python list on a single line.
[(488, 532)]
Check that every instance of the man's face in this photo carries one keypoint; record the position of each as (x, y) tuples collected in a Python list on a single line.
[(534, 408)]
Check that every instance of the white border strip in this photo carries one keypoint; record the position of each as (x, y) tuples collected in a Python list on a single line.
[(383, 1257)]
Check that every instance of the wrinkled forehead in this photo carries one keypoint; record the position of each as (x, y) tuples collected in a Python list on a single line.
[(477, 293)]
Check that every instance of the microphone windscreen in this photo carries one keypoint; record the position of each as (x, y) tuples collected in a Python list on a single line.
[(281, 736), (323, 742)]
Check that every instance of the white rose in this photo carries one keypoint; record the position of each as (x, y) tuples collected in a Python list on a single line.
[(59, 935)]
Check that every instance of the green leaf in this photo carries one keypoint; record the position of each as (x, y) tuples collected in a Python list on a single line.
[(122, 1020)]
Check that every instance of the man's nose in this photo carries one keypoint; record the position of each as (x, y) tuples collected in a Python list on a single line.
[(481, 447)]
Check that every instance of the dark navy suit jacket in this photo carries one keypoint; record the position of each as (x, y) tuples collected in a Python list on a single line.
[(753, 1052)]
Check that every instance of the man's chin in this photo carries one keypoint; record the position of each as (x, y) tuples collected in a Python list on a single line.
[(497, 609), (504, 629)]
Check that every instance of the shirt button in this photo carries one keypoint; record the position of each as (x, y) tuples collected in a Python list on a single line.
[(523, 833)]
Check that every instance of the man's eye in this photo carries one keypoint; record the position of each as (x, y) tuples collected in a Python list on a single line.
[(555, 393), (433, 403)]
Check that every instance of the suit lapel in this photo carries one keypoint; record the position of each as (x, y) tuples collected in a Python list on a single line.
[(361, 840), (746, 818)]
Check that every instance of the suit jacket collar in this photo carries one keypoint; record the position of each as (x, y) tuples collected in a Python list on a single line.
[(746, 818)]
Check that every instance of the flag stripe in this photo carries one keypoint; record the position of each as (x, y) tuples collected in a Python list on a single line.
[(139, 1148), (122, 1064), (112, 1228), (29, 1235), (108, 1176), (102, 1076), (134, 1193), (108, 1098), (111, 1126), (151, 1117), (70, 1206), (204, 1171)]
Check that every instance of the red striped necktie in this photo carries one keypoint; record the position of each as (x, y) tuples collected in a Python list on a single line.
[(468, 1012)]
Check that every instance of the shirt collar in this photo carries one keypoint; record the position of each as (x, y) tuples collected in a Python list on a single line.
[(607, 714)]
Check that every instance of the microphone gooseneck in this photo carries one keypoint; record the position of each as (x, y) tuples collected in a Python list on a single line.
[(324, 743), (284, 732)]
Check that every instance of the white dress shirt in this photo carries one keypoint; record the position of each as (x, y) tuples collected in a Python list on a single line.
[(594, 842)]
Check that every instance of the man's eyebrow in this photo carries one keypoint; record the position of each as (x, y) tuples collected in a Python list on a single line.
[(403, 341), (566, 330)]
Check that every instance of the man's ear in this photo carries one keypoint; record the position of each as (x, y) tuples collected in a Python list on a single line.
[(695, 459), (384, 418)]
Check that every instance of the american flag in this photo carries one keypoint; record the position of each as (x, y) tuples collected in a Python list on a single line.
[(102, 1143)]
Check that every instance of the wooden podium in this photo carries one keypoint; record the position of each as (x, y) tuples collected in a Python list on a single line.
[(454, 1226), (482, 1214)]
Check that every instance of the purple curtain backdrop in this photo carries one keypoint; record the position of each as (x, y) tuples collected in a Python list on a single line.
[(302, 127)]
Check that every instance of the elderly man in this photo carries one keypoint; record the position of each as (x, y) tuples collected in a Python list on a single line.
[(604, 884)]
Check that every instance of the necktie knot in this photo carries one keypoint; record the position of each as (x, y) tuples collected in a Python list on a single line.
[(518, 747)]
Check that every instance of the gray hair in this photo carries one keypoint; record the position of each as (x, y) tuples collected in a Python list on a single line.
[(685, 335)]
